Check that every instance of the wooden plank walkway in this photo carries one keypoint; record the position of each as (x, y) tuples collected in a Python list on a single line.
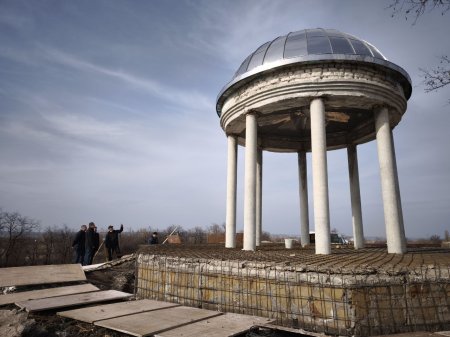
[(44, 293), (19, 276), (226, 325), (107, 311), (138, 318), (153, 322), (72, 300)]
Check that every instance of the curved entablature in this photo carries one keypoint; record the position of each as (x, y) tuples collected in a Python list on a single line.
[(282, 97)]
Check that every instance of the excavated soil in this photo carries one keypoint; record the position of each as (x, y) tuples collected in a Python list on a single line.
[(118, 277)]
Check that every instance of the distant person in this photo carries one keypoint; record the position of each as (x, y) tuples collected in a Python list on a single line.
[(90, 244), (79, 244), (112, 241), (154, 239)]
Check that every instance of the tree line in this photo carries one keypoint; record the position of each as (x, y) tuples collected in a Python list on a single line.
[(23, 241)]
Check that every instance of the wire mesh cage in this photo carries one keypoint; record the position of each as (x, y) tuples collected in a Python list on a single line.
[(348, 293)]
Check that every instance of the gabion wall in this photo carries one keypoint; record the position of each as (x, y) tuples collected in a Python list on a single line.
[(333, 302)]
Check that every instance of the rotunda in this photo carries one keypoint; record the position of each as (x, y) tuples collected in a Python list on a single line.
[(314, 90)]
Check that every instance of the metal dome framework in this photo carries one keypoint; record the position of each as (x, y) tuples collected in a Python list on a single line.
[(311, 91), (309, 46)]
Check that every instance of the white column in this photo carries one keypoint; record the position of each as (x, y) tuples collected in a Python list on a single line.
[(303, 191), (393, 218), (230, 221), (320, 177), (259, 163), (250, 182), (355, 195), (397, 188)]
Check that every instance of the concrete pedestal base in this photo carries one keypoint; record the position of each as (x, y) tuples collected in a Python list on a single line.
[(373, 295)]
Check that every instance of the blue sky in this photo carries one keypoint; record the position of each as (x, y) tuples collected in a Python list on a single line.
[(107, 113)]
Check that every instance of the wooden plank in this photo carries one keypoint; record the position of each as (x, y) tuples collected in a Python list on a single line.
[(102, 312), (60, 273), (226, 325), (44, 293), (152, 322), (282, 329), (72, 300)]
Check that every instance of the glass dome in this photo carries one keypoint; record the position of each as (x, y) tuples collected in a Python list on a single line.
[(310, 46), (308, 42)]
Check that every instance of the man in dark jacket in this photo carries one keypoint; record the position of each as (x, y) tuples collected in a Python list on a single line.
[(154, 239), (79, 245), (90, 244), (112, 241)]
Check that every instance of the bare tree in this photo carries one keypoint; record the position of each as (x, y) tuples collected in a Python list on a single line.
[(216, 229), (196, 235), (437, 77), (63, 249), (33, 253), (13, 228), (171, 229), (416, 8), (49, 242), (57, 243), (435, 238), (266, 236)]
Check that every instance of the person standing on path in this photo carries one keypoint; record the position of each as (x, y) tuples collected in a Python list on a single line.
[(112, 241), (79, 245), (90, 244)]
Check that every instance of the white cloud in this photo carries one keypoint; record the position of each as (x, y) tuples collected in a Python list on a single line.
[(186, 98)]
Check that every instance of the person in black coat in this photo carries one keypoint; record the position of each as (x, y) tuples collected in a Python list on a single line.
[(79, 245), (154, 239), (90, 244), (112, 241)]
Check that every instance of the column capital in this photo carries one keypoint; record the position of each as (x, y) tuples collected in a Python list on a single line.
[(248, 111), (323, 98), (379, 107)]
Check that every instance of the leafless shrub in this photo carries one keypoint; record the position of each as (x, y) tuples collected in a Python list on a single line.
[(435, 239)]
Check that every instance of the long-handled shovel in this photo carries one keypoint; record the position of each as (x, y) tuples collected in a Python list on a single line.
[(98, 250)]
